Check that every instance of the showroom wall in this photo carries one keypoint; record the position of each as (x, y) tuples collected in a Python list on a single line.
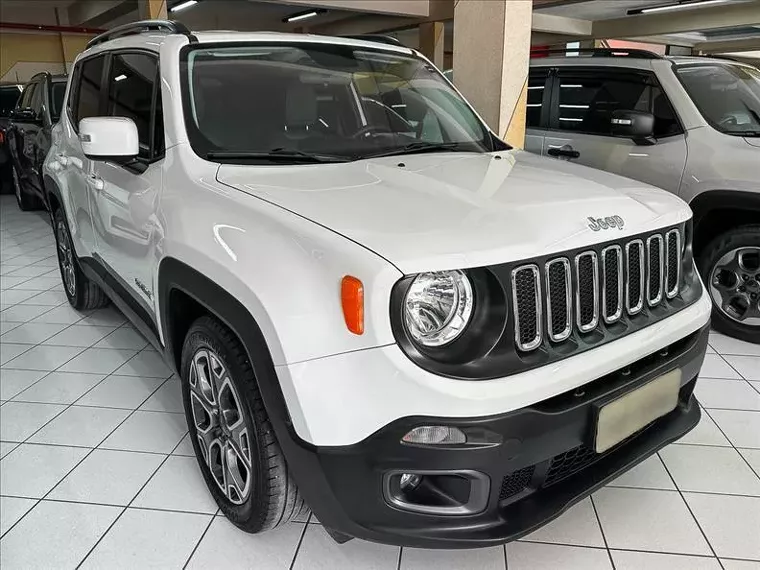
[(23, 54)]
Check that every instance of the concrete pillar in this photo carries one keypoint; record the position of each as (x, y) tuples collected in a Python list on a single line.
[(152, 9), (491, 56), (431, 42)]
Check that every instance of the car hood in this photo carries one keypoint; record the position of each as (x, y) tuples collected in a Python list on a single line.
[(456, 210), (753, 141)]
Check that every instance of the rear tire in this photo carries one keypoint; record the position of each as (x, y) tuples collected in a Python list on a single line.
[(234, 442), (82, 293), (724, 278), (26, 203)]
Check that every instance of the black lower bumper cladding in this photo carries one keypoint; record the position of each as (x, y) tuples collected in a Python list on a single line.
[(542, 462)]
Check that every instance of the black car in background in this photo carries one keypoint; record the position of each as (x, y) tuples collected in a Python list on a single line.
[(9, 95), (38, 109)]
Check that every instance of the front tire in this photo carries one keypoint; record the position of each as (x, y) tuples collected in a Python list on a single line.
[(82, 293), (730, 268), (234, 442)]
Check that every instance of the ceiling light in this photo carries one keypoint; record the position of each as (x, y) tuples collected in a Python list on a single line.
[(121, 77), (681, 5), (183, 5), (304, 15)]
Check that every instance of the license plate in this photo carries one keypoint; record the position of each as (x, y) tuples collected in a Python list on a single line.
[(625, 416)]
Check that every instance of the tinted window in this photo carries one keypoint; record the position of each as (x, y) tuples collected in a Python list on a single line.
[(536, 88), (36, 102), (130, 93), (88, 96), (25, 101), (8, 98), (587, 101), (57, 92)]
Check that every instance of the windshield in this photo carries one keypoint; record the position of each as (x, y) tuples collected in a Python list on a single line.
[(318, 101), (56, 103), (727, 95)]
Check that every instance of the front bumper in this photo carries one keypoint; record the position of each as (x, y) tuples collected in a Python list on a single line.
[(543, 463)]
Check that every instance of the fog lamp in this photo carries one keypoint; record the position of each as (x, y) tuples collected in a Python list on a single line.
[(435, 435), (409, 481)]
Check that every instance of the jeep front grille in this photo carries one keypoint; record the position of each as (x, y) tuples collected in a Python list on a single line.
[(593, 288)]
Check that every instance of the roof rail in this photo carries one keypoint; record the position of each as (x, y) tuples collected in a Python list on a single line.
[(599, 52), (379, 38), (141, 27)]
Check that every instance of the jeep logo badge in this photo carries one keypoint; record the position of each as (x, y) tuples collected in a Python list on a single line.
[(607, 223)]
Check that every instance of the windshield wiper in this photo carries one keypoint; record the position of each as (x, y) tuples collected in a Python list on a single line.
[(751, 134), (276, 154), (417, 147)]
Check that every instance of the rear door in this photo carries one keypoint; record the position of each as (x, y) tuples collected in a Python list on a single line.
[(538, 108), (582, 104), (26, 124)]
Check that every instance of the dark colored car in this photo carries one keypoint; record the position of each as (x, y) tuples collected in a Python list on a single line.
[(37, 110), (9, 95)]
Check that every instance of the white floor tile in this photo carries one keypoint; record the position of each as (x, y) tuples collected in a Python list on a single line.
[(649, 474), (145, 363), (178, 485), (481, 558), (10, 351), (19, 420), (98, 360), (226, 546), (15, 296), (32, 470), (64, 315), (731, 523), (729, 395), (47, 358), (148, 539), (51, 298), (715, 367), (155, 432), (739, 564), (706, 433), (32, 333), (638, 560), (55, 535), (124, 337), (319, 551), (81, 426), (121, 392), (41, 283), (108, 316), (532, 556), (747, 366), (79, 335), (7, 326), (168, 398), (108, 477), (23, 313), (59, 387), (742, 428), (11, 510), (29, 271), (753, 458), (578, 526), (13, 382), (186, 448), (639, 519), (710, 470), (6, 447)]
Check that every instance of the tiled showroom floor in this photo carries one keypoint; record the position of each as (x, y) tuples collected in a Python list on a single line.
[(96, 469)]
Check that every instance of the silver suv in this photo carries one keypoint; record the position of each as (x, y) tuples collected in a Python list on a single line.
[(690, 125)]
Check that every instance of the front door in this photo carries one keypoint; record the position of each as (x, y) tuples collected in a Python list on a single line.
[(125, 195), (581, 109)]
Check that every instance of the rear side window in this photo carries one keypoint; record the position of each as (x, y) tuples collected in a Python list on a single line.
[(536, 89), (57, 91), (25, 101), (88, 92), (36, 102), (132, 86), (586, 101)]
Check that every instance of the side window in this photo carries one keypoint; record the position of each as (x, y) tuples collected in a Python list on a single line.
[(665, 120), (57, 91), (536, 88), (71, 102), (25, 101), (131, 82), (36, 102), (587, 100), (88, 97)]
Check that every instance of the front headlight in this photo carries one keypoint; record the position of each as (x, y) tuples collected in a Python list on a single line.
[(438, 307)]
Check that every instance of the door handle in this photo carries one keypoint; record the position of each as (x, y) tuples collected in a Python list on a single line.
[(96, 182), (566, 151)]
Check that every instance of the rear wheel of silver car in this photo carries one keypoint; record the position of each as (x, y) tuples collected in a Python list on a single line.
[(234, 442), (82, 293), (25, 202), (730, 268)]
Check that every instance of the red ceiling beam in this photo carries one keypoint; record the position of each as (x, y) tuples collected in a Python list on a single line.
[(46, 28)]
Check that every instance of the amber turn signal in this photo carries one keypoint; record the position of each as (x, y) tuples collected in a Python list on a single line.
[(352, 298)]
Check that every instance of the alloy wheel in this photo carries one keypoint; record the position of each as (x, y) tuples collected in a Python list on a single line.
[(66, 259), (220, 425), (735, 285)]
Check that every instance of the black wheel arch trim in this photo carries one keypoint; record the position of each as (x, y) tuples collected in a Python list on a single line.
[(706, 202)]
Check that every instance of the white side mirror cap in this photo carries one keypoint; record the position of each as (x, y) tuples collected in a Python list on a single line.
[(109, 137)]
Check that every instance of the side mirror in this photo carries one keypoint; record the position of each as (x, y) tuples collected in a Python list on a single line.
[(109, 138), (636, 125), (25, 114)]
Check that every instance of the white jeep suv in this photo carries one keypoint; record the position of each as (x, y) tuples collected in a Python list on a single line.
[(376, 307)]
